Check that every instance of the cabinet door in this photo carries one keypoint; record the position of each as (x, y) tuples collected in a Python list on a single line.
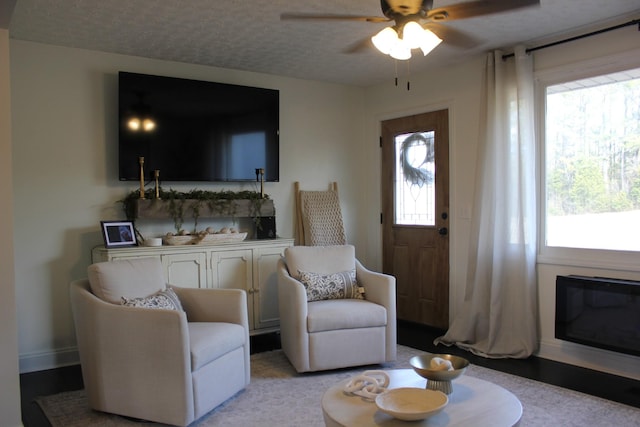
[(231, 269), (266, 283), (188, 270)]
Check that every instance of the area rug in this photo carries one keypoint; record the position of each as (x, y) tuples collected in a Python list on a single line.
[(279, 397)]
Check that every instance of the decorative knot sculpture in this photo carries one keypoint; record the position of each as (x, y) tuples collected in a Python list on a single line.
[(368, 385)]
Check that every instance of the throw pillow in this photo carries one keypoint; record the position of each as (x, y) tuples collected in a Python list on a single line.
[(340, 285), (165, 299)]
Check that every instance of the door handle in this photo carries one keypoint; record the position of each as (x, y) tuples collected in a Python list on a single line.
[(443, 231)]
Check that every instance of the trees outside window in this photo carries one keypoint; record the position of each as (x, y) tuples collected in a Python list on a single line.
[(592, 163)]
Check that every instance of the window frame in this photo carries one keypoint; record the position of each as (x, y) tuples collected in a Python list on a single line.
[(595, 258)]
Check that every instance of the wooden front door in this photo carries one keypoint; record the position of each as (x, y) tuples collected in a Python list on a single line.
[(415, 216)]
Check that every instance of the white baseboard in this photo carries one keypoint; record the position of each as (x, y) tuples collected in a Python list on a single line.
[(40, 361), (591, 358)]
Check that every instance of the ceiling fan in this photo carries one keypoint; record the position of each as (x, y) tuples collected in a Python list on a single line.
[(417, 24)]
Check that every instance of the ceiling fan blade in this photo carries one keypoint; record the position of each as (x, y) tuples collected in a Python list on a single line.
[(360, 46), (452, 36), (477, 8), (315, 17)]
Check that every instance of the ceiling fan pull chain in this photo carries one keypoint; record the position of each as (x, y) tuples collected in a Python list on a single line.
[(408, 77), (395, 61)]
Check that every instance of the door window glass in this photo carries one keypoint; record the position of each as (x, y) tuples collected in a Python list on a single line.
[(415, 179)]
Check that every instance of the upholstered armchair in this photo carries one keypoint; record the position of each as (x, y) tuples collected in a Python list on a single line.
[(169, 364), (334, 313)]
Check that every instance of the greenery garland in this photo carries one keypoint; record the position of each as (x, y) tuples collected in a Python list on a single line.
[(220, 202)]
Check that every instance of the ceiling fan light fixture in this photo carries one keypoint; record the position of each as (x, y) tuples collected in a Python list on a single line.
[(401, 51), (429, 41), (385, 40), (412, 34)]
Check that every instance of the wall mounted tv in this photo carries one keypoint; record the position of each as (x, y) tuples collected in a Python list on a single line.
[(204, 131)]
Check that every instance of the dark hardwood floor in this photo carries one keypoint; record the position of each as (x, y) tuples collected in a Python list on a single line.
[(607, 386), (619, 389)]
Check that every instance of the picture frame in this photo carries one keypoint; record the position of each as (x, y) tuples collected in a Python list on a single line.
[(118, 234)]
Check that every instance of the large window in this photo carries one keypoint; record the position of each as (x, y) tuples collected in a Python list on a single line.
[(592, 163)]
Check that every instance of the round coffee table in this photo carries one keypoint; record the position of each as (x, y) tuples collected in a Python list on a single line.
[(473, 403)]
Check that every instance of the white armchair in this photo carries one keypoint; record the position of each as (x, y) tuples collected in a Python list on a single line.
[(164, 365), (334, 333)]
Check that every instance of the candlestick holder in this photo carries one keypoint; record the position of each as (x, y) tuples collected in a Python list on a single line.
[(156, 175), (260, 177), (141, 161)]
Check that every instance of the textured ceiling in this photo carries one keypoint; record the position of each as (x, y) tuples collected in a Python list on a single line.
[(249, 35)]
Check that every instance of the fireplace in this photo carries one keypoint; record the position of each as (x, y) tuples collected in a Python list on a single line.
[(599, 312)]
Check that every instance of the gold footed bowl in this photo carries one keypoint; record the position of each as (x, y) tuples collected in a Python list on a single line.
[(439, 379)]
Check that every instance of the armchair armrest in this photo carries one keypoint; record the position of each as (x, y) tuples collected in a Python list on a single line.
[(218, 305), (292, 301), (381, 289), (292, 297)]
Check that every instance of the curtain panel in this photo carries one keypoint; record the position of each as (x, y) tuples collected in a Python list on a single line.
[(499, 314)]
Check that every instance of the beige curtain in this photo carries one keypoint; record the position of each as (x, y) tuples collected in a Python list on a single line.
[(500, 310)]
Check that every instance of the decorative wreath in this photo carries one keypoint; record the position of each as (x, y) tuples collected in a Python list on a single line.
[(417, 175)]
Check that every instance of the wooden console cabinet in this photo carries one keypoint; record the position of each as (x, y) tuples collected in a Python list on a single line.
[(248, 265)]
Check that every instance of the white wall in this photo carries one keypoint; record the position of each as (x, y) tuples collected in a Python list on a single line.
[(65, 170), (9, 381)]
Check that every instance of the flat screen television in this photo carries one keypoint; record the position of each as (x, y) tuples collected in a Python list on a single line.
[(203, 131), (599, 312)]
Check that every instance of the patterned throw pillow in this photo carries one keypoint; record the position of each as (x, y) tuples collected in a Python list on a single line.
[(165, 299), (340, 285)]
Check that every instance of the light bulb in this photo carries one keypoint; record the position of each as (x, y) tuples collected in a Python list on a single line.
[(412, 34), (134, 124), (148, 125), (429, 41), (400, 51), (385, 40)]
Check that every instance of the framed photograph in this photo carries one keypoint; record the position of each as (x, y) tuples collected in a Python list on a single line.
[(118, 234)]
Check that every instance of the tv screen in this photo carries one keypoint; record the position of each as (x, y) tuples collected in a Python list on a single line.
[(192, 130)]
